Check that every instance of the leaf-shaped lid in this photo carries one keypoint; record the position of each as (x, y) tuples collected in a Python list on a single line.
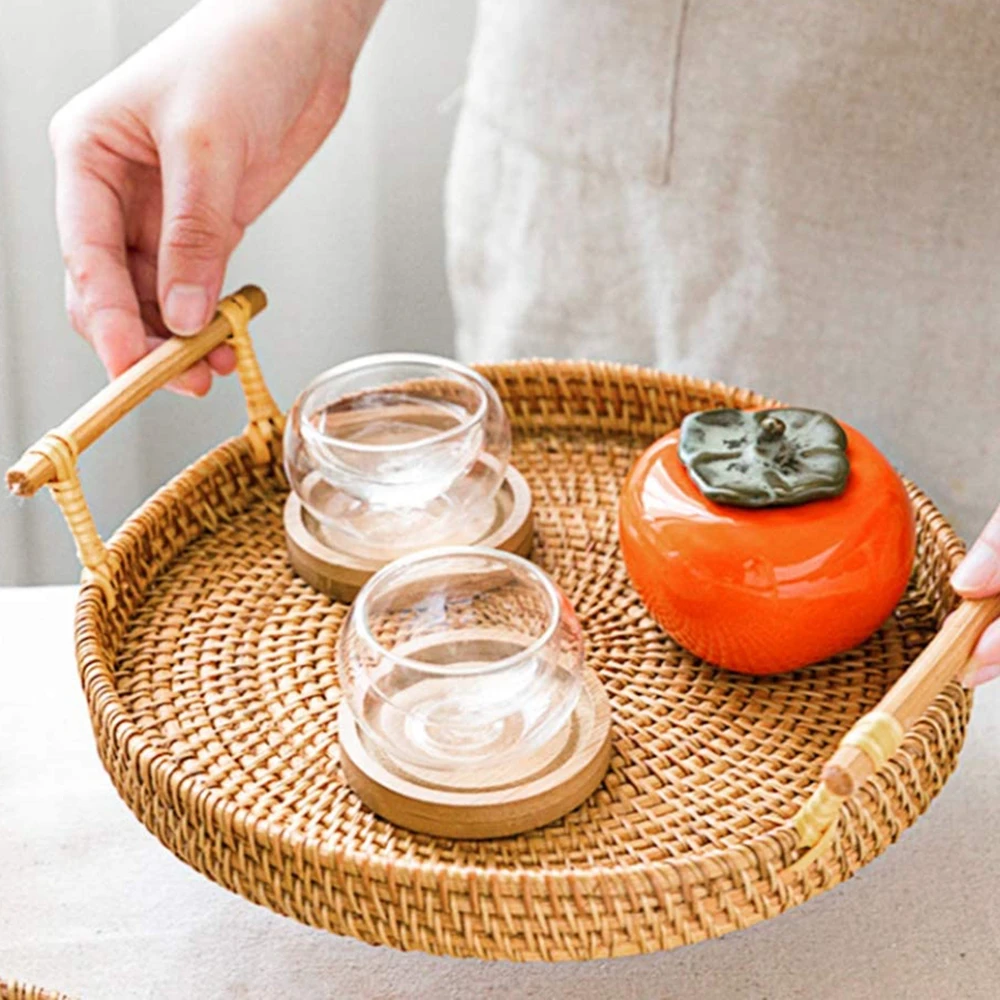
[(765, 458)]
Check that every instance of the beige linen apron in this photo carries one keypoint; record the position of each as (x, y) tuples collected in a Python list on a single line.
[(801, 197)]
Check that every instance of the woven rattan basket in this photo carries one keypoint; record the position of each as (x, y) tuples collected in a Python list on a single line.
[(21, 991), (210, 675)]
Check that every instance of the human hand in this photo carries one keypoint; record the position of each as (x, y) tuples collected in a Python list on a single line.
[(162, 164), (979, 576)]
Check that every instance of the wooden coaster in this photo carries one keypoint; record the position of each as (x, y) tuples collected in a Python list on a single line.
[(342, 575), (554, 781)]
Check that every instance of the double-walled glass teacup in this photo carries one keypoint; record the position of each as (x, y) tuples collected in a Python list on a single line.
[(458, 662), (394, 453)]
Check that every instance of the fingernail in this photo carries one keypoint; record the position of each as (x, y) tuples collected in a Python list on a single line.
[(976, 570), (185, 309), (981, 675)]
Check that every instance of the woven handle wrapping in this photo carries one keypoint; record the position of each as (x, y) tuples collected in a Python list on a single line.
[(878, 734), (52, 460)]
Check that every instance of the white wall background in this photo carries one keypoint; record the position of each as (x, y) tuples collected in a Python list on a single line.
[(352, 255)]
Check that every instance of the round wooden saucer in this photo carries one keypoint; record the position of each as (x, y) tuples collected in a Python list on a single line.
[(341, 575), (551, 782)]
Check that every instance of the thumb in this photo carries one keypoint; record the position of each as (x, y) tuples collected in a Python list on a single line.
[(978, 575), (201, 175)]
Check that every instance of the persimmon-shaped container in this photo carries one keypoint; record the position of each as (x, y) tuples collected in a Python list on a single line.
[(765, 541)]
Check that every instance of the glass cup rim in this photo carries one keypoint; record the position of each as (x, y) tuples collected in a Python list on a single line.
[(555, 602), (374, 361)]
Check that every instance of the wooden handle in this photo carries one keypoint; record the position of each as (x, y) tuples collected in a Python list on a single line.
[(943, 660), (878, 734), (52, 460), (87, 424)]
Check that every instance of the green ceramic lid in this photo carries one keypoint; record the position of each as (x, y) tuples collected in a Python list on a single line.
[(767, 458)]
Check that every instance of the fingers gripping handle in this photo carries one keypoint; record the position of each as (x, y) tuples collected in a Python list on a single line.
[(127, 391), (877, 735), (52, 460)]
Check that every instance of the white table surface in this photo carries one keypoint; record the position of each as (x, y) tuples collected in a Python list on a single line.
[(92, 904)]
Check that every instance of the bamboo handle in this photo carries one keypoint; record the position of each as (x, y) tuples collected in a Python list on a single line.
[(34, 470), (878, 734), (943, 660), (52, 460)]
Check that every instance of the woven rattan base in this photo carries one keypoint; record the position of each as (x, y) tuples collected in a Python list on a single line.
[(213, 691)]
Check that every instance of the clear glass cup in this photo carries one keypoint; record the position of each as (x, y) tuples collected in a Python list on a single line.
[(457, 661), (392, 453)]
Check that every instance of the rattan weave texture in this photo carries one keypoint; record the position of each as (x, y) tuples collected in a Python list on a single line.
[(21, 991), (213, 692)]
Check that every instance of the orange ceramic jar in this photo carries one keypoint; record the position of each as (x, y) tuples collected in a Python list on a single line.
[(765, 590)]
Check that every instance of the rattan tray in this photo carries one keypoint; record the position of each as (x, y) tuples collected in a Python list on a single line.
[(210, 675), (22, 991)]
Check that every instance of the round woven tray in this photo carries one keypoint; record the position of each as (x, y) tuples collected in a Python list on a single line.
[(213, 690), (209, 670)]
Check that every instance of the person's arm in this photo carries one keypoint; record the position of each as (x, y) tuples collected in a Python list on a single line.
[(162, 164), (979, 576)]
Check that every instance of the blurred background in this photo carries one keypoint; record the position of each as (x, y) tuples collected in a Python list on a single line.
[(351, 255)]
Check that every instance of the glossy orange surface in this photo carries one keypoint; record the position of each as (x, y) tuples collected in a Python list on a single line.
[(766, 591)]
